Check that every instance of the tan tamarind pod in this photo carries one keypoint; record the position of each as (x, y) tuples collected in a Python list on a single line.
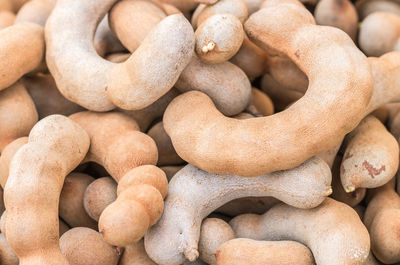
[(105, 42), (48, 100), (213, 233), (340, 14), (174, 237), (146, 116), (243, 116), (253, 5), (7, 19), (148, 74), (56, 146), (185, 6), (3, 223), (381, 219), (237, 8), (231, 93), (71, 208), (6, 5), (98, 195), (17, 4), (135, 254), (17, 113), (258, 205), (7, 155), (381, 113), (350, 198), (371, 157), (2, 207), (330, 155), (252, 252), (35, 11), (366, 7), (139, 205), (166, 152), (332, 231), (21, 49), (84, 246), (262, 102), (336, 120), (118, 57), (112, 134), (7, 255), (170, 171), (380, 33), (251, 59), (63, 227), (360, 210), (142, 16), (219, 38)]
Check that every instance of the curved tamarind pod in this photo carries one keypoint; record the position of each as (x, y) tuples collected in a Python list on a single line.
[(147, 75), (98, 195), (371, 157), (139, 205), (258, 146), (333, 231), (56, 146), (112, 134), (7, 155), (105, 42), (21, 50), (251, 252), (17, 114), (380, 33), (7, 19), (35, 11), (339, 14), (382, 219), (135, 254), (366, 7), (193, 194), (48, 100)]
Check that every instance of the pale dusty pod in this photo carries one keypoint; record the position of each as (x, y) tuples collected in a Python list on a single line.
[(371, 157), (104, 41), (22, 49), (48, 100), (265, 28), (6, 19), (253, 5), (6, 156), (350, 198), (84, 246), (155, 66), (98, 195), (7, 255), (380, 33), (251, 252), (17, 113), (146, 116), (118, 57), (213, 233), (333, 231), (340, 14), (139, 205), (193, 194), (35, 11), (71, 208), (366, 7), (237, 8), (382, 220), (169, 171), (258, 205), (112, 134), (226, 84), (166, 152), (251, 59), (330, 155), (262, 102), (135, 254), (141, 16), (56, 146), (219, 38)]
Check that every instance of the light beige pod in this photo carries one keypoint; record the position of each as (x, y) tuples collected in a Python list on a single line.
[(56, 146), (193, 194), (371, 157), (7, 155), (366, 7), (333, 231), (7, 19), (252, 252), (85, 246), (382, 220), (85, 78), (135, 254), (256, 146), (219, 38)]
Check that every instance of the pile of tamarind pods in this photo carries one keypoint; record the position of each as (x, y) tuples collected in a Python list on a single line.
[(229, 132)]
